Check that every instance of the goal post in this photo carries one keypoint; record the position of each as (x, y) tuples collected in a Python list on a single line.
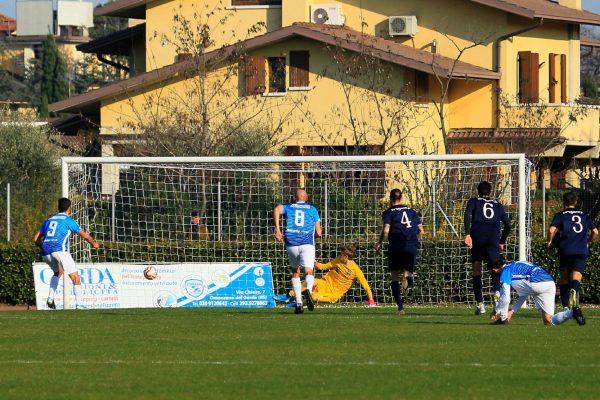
[(141, 209)]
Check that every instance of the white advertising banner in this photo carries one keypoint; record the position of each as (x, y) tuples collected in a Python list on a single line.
[(114, 285)]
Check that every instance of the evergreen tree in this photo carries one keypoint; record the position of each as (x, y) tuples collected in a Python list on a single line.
[(53, 85), (590, 86)]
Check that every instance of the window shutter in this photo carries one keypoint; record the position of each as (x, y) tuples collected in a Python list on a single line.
[(421, 87), (254, 70), (255, 2), (299, 68), (552, 78), (529, 79), (563, 78)]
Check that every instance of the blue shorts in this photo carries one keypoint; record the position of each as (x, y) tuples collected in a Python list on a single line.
[(572, 263), (485, 252), (402, 260)]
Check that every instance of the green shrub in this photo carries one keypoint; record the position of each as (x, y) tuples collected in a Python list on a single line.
[(16, 275)]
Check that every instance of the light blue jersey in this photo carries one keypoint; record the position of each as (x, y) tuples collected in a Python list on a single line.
[(301, 219), (521, 270), (56, 231)]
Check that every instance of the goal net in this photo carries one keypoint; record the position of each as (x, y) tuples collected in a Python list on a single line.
[(195, 210)]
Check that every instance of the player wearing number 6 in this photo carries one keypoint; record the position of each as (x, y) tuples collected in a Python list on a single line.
[(302, 223), (55, 248), (402, 226), (569, 229), (482, 235)]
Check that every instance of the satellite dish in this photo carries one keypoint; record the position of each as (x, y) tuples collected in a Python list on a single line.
[(320, 16)]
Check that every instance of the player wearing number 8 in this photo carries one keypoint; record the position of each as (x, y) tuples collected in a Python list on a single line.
[(302, 224), (569, 230), (482, 236)]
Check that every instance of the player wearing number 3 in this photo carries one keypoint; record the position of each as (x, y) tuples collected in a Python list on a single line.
[(569, 230), (302, 224), (402, 226), (55, 248), (482, 235)]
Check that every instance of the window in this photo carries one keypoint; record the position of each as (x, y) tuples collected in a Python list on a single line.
[(421, 87), (299, 68), (255, 2), (276, 74), (529, 77), (557, 75), (254, 70)]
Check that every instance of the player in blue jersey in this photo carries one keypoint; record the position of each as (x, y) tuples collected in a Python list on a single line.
[(302, 224), (483, 216), (570, 231), (54, 236), (402, 226), (528, 279)]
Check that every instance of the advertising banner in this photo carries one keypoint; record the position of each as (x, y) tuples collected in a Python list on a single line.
[(114, 285)]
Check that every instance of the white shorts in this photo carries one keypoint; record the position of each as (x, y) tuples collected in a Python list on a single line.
[(544, 293), (301, 256), (61, 259)]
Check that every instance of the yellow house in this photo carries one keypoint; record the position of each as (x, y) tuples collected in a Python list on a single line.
[(389, 76)]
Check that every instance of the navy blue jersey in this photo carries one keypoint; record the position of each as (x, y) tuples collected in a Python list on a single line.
[(404, 227), (573, 231), (482, 221)]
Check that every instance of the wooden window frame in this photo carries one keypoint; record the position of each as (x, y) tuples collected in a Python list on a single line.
[(254, 75), (529, 77), (299, 69)]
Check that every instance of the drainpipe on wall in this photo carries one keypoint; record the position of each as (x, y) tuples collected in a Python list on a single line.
[(498, 46)]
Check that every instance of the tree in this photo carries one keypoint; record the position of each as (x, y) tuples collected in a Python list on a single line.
[(53, 85), (590, 86)]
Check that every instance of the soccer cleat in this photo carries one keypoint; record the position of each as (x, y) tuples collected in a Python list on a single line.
[(401, 312), (578, 316), (299, 309), (50, 304), (480, 309), (310, 304), (573, 299), (500, 321)]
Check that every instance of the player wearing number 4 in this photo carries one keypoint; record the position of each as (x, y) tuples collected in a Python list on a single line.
[(569, 229), (55, 232), (302, 223), (402, 226), (482, 235)]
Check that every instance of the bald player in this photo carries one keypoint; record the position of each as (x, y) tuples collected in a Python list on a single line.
[(302, 224)]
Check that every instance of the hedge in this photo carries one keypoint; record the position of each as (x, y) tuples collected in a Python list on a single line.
[(16, 280)]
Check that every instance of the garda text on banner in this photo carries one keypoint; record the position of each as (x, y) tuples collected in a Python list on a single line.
[(114, 285)]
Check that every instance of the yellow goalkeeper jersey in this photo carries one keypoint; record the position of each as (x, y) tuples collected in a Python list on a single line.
[(341, 276)]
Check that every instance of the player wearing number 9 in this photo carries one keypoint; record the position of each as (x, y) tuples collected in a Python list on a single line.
[(569, 231), (55, 232), (482, 236)]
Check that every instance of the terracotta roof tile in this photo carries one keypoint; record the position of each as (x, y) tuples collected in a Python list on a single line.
[(485, 135)]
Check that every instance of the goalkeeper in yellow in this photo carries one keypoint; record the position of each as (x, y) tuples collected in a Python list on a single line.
[(342, 273)]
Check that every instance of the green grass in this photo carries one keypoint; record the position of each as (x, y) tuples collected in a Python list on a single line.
[(272, 354)]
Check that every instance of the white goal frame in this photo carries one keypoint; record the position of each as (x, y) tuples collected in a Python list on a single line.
[(522, 195)]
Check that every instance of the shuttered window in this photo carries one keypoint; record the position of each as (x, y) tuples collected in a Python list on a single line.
[(552, 78), (529, 77), (255, 2), (557, 78), (299, 68), (563, 78), (276, 74), (254, 70), (421, 87)]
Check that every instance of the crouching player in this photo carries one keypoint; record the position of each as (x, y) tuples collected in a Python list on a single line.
[(342, 273), (528, 280)]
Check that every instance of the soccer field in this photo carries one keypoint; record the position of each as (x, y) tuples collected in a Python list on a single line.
[(339, 353)]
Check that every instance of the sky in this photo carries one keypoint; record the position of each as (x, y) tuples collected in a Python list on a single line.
[(8, 6)]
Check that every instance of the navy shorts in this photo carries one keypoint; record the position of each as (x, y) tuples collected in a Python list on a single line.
[(572, 263), (402, 260), (485, 252)]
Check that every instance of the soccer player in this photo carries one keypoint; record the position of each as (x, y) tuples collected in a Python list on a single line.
[(402, 226), (55, 232), (482, 236), (529, 279), (302, 224), (342, 273), (571, 229)]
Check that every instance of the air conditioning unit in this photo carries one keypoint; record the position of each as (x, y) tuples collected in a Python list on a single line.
[(403, 25), (328, 14)]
